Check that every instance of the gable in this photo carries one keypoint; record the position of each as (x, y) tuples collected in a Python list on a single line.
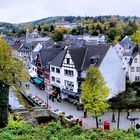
[(68, 62)]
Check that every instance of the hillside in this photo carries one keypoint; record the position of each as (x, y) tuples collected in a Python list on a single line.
[(6, 27), (41, 21)]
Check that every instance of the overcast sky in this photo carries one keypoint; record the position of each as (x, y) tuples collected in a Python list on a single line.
[(17, 11)]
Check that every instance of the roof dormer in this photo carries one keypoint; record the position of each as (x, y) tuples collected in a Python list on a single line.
[(94, 60)]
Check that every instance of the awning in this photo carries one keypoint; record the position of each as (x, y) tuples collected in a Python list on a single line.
[(70, 93), (38, 80)]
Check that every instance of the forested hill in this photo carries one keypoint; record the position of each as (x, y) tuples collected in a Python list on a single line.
[(6, 27), (77, 18)]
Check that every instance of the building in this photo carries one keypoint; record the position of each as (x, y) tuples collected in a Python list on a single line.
[(42, 61), (124, 49), (134, 66), (68, 69), (35, 37), (67, 25)]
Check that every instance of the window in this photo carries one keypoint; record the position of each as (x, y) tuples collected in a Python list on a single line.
[(69, 85), (58, 80), (52, 69), (57, 70), (68, 60), (53, 78), (69, 72), (135, 60), (137, 78), (132, 69), (138, 69)]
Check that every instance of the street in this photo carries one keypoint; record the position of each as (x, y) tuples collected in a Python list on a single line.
[(88, 122)]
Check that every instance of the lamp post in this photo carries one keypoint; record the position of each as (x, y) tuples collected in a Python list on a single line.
[(43, 77)]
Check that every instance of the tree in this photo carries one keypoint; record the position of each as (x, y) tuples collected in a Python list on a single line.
[(95, 93), (51, 29), (57, 36), (61, 29), (136, 38), (39, 28), (11, 72)]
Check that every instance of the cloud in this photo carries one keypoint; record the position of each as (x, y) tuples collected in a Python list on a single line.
[(17, 11)]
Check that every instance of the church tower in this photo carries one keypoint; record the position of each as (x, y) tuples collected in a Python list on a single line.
[(27, 33)]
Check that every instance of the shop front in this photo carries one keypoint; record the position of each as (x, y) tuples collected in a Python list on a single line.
[(70, 96)]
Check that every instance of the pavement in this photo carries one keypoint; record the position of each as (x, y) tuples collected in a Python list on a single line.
[(88, 122)]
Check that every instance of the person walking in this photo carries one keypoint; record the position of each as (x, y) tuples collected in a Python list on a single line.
[(85, 113)]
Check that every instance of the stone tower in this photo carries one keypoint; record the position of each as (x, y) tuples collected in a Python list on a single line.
[(27, 33)]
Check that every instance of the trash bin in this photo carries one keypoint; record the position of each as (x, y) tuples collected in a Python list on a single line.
[(106, 125), (80, 122)]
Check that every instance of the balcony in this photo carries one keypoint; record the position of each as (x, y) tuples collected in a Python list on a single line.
[(80, 79)]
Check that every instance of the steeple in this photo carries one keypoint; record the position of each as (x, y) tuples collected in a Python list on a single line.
[(27, 33)]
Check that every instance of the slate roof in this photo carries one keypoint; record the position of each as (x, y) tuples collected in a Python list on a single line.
[(26, 47), (81, 56), (78, 55), (57, 61), (48, 54), (136, 51), (126, 43), (97, 50)]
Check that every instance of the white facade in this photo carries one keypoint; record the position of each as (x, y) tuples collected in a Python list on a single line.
[(67, 76), (125, 60), (101, 39), (33, 71), (134, 69), (119, 50), (112, 70)]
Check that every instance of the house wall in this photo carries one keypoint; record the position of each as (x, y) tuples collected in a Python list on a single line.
[(112, 70), (134, 64), (62, 76), (56, 76), (125, 61), (119, 50)]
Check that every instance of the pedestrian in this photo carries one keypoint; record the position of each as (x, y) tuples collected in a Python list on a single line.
[(113, 117), (128, 115), (100, 121), (59, 98), (52, 98), (85, 113)]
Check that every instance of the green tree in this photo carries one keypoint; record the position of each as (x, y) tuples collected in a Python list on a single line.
[(11, 72), (57, 36), (95, 93), (39, 28), (136, 38)]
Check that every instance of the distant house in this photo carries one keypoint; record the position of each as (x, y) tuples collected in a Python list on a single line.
[(124, 46), (67, 25), (124, 49), (82, 40), (68, 69), (134, 66), (35, 37), (42, 61), (100, 39)]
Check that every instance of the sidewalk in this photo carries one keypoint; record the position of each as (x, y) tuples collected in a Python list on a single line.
[(88, 122)]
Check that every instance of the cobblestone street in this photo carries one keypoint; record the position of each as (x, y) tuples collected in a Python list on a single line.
[(88, 122)]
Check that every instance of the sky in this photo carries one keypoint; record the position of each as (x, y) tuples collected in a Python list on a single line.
[(18, 11)]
